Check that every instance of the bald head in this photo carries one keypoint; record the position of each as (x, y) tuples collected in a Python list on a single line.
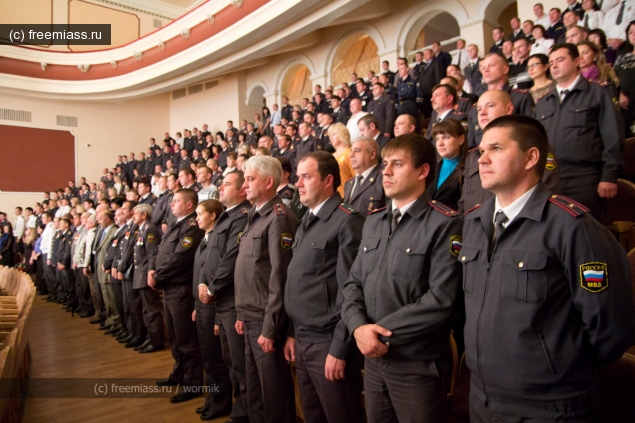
[(493, 104), (404, 124)]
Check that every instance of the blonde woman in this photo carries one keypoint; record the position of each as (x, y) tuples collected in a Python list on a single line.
[(341, 141)]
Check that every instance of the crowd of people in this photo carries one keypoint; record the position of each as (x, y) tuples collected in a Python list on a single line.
[(333, 234)]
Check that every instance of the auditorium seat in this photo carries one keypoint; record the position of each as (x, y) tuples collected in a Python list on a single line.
[(620, 207), (425, 124), (614, 391)]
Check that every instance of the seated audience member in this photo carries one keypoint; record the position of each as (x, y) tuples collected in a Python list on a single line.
[(597, 37), (341, 141), (449, 139), (538, 68), (593, 64), (541, 43), (625, 70)]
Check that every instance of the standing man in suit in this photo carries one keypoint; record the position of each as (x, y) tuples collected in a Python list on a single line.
[(443, 102), (172, 269), (472, 71), (364, 192), (499, 37), (340, 114), (286, 109), (102, 242), (517, 31), (441, 55), (383, 108), (430, 74)]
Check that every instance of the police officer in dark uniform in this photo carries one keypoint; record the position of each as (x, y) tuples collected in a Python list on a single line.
[(216, 286), (145, 193), (585, 130), (307, 142), (64, 271), (408, 92), (495, 77), (171, 269), (112, 259), (383, 108), (328, 364), (547, 289), (145, 247), (260, 277), (398, 305), (493, 104), (285, 111), (340, 114), (364, 192), (364, 95)]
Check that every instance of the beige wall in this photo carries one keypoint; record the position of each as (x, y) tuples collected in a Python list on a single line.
[(110, 129)]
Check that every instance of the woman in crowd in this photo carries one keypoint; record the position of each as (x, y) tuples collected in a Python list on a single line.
[(6, 246), (593, 64), (341, 142), (242, 140), (542, 44), (258, 128), (266, 121), (30, 264), (215, 151), (449, 138), (625, 69), (118, 184), (593, 16), (219, 137), (112, 193), (538, 68), (598, 37)]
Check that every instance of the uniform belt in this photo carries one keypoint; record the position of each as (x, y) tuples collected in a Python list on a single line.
[(405, 101)]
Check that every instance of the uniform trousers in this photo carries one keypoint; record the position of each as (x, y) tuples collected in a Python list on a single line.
[(152, 312), (80, 294), (217, 375), (95, 293), (270, 391), (41, 281), (400, 389), (133, 311), (325, 401), (584, 189), (178, 304), (233, 347), (110, 305), (67, 284), (50, 276), (481, 411), (117, 291)]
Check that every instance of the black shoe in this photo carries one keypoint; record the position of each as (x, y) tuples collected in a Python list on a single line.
[(96, 320), (83, 314), (211, 415), (49, 299), (184, 396), (104, 327), (202, 409), (78, 310), (58, 301), (167, 382), (112, 330), (134, 342), (125, 337), (151, 349), (119, 333), (142, 346)]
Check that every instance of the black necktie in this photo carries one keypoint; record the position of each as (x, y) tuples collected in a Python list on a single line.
[(396, 214), (620, 14), (459, 61), (564, 94), (308, 220), (498, 224), (600, 5), (586, 20), (356, 188)]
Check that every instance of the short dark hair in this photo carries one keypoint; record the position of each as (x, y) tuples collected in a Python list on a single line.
[(527, 132), (188, 195), (420, 150), (286, 165), (188, 171), (453, 128), (89, 201), (240, 177), (327, 165), (449, 89), (572, 49), (368, 119)]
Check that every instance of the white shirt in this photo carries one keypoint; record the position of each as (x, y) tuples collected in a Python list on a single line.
[(570, 87), (512, 210), (62, 211), (465, 59), (544, 21), (595, 19), (228, 169), (18, 227), (276, 116), (209, 193), (30, 223), (47, 238), (606, 5), (610, 26), (317, 208), (352, 127), (541, 46), (179, 141)]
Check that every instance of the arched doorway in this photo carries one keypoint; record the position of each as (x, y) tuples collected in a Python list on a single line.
[(358, 54), (296, 83), (256, 97), (443, 28)]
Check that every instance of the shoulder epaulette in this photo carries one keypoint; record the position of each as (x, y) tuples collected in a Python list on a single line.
[(244, 210), (600, 83), (347, 208), (193, 222), (572, 207), (279, 208), (376, 210), (473, 208), (518, 90), (442, 208)]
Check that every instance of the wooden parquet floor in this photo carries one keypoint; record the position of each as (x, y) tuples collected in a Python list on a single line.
[(69, 347)]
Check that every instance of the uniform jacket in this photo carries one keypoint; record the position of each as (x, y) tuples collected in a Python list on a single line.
[(160, 210), (382, 141), (261, 266), (473, 74), (371, 195), (222, 251), (430, 76), (553, 302), (585, 130), (145, 246), (394, 284), (323, 254), (384, 110), (113, 254), (64, 249), (311, 144), (174, 260), (125, 251), (341, 115)]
